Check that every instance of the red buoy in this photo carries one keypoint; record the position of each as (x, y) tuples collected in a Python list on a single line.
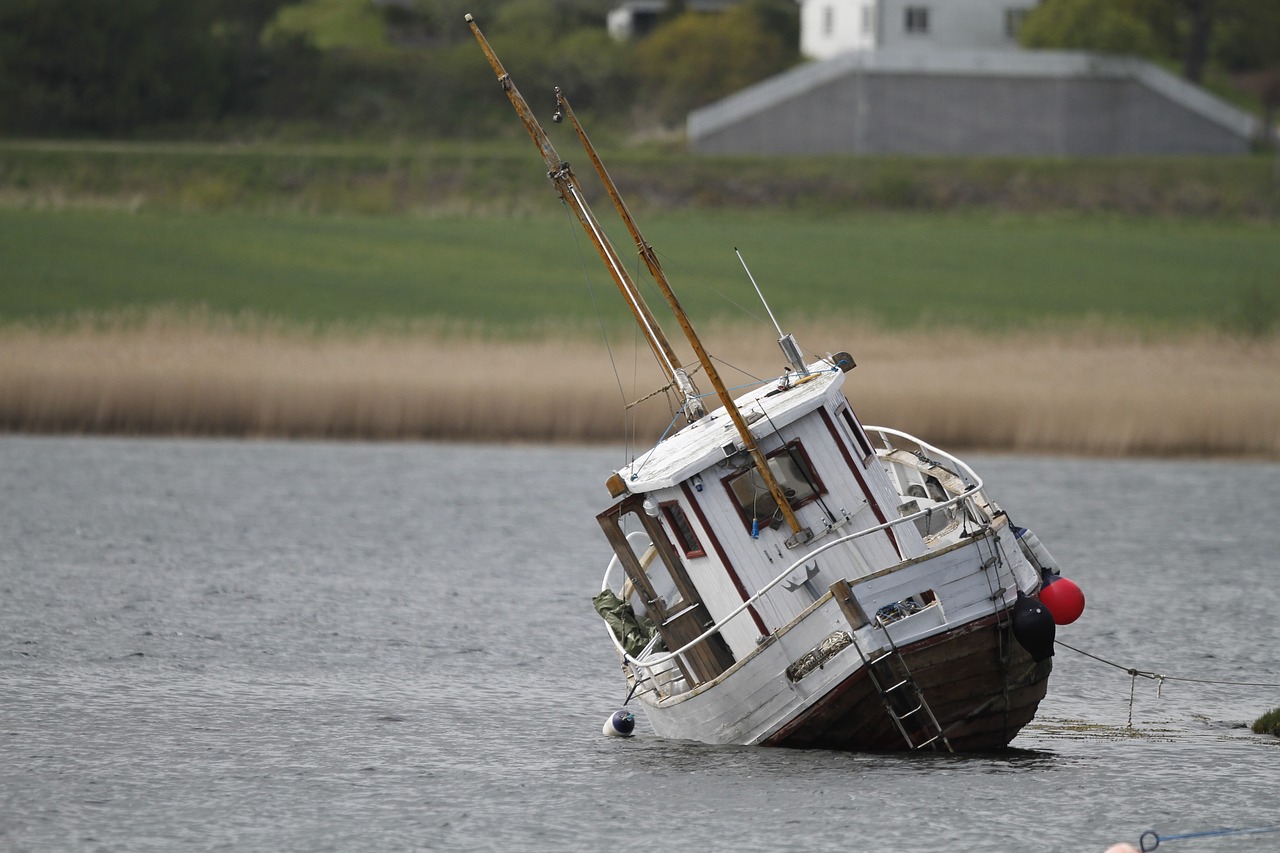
[(1063, 599)]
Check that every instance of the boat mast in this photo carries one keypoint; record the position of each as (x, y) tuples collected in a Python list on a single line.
[(571, 192), (664, 285), (567, 184)]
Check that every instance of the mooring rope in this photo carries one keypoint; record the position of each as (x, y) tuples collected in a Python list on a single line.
[(1154, 840), (1159, 678)]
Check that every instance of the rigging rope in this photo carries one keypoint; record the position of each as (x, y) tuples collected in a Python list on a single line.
[(758, 380), (664, 389), (668, 260), (586, 274)]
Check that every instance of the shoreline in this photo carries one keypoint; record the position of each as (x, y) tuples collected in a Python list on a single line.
[(1087, 392)]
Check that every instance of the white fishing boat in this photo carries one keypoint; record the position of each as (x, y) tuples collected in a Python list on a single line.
[(784, 576)]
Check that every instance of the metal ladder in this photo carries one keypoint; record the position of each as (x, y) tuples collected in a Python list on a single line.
[(902, 697)]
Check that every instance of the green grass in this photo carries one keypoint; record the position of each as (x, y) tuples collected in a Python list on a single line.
[(331, 24), (511, 274), (1268, 723), (504, 173)]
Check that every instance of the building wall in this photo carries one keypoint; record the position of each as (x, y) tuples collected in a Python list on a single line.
[(969, 24), (829, 27)]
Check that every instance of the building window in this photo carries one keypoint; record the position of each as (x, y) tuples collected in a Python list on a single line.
[(791, 468), (868, 20), (678, 522), (1013, 19), (917, 19), (828, 20)]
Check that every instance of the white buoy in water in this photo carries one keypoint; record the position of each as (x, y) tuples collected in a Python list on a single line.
[(621, 724)]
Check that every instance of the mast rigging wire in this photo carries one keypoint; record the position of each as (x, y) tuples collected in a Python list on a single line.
[(668, 260)]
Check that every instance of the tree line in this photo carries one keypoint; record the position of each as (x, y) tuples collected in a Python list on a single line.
[(218, 68)]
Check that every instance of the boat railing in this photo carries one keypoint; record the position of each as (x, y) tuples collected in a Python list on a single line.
[(648, 663), (888, 433)]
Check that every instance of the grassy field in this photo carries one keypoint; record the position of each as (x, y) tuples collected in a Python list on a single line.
[(522, 276), (385, 292)]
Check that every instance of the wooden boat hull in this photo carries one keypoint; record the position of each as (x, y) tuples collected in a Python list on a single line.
[(981, 685)]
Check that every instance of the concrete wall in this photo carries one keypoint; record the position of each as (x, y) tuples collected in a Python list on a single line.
[(975, 103)]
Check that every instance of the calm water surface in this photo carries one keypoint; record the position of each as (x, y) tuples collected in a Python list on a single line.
[(286, 646)]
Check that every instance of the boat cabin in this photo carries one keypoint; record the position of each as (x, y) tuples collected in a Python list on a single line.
[(707, 533)]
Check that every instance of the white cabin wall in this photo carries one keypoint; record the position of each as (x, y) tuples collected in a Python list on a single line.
[(710, 576), (879, 482), (759, 561), (753, 560), (832, 447)]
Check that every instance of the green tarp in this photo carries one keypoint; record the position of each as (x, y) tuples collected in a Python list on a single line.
[(633, 632)]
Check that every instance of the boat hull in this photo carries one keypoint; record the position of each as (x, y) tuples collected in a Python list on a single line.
[(980, 684)]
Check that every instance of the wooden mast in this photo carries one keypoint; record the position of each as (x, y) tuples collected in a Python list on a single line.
[(567, 184), (571, 192), (650, 258)]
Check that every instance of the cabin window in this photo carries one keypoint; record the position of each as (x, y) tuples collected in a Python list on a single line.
[(791, 468), (679, 525), (917, 19), (868, 20), (828, 20), (859, 434)]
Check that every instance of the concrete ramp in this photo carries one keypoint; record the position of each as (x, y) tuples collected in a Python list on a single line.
[(1023, 103)]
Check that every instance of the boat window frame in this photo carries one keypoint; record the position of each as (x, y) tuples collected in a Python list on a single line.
[(794, 450), (679, 525), (860, 438)]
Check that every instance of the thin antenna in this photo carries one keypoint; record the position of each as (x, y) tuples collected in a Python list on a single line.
[(743, 261), (786, 342)]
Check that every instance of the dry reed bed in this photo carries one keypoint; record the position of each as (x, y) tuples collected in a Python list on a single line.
[(1085, 392)]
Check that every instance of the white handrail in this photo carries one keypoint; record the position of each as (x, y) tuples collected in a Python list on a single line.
[(976, 487)]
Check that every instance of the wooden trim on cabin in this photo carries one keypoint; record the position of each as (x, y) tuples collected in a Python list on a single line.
[(609, 523), (685, 535), (862, 481), (667, 551), (849, 605), (724, 558), (788, 449), (708, 658)]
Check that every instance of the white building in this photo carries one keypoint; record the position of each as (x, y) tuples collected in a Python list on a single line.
[(831, 27)]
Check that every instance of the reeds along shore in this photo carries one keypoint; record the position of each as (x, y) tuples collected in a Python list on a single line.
[(1080, 392)]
